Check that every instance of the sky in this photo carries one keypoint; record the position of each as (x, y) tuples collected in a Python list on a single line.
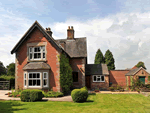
[(122, 26)]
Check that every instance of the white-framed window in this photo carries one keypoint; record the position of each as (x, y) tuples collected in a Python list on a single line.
[(98, 78), (25, 79), (45, 79), (34, 79), (37, 53)]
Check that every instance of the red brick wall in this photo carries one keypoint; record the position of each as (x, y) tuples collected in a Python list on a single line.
[(76, 64), (139, 73), (118, 77), (100, 84), (52, 60)]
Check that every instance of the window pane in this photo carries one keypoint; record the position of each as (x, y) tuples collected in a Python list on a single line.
[(43, 55), (38, 75), (98, 79), (94, 78), (34, 82), (45, 82), (25, 76), (30, 49), (43, 48), (30, 82), (30, 75), (38, 49), (45, 75), (102, 78), (30, 55), (34, 75), (39, 55), (25, 82), (38, 82)]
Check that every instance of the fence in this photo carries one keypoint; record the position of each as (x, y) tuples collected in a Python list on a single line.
[(7, 85)]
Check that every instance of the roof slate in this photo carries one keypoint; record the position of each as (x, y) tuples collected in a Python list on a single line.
[(132, 71), (75, 48), (36, 65), (96, 69)]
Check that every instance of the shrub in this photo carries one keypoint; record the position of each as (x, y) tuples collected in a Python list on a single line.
[(111, 88), (79, 95), (31, 95), (53, 94)]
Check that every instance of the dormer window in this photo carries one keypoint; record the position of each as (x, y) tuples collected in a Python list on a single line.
[(37, 53)]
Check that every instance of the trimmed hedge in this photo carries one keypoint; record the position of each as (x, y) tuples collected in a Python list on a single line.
[(79, 95), (31, 95)]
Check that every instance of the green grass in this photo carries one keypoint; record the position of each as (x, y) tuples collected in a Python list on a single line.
[(100, 103)]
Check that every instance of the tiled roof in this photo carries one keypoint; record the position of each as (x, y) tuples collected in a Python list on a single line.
[(94, 69), (75, 47), (132, 71), (36, 65)]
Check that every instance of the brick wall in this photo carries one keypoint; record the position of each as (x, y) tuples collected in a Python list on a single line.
[(76, 64), (118, 77), (52, 60)]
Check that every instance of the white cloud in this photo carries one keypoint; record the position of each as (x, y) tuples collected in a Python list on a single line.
[(126, 35)]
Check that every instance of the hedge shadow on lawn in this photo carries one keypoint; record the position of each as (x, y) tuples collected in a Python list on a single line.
[(92, 94), (6, 106)]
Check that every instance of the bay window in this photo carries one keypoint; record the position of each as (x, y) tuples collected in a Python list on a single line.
[(98, 78), (25, 79)]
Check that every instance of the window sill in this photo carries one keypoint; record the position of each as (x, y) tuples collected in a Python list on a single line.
[(37, 61), (98, 81)]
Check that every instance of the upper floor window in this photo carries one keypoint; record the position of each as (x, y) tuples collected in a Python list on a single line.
[(37, 53)]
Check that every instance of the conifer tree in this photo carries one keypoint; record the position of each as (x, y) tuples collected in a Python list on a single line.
[(66, 79), (109, 60), (99, 58), (2, 69)]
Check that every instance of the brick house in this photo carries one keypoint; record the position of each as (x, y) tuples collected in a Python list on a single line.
[(124, 77), (37, 59)]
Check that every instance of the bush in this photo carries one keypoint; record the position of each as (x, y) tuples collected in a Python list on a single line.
[(15, 93), (31, 95), (79, 95), (111, 88), (53, 94)]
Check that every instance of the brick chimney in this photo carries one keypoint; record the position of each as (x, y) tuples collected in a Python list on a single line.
[(70, 32), (48, 30)]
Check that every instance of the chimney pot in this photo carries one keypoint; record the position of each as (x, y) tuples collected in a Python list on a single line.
[(70, 33), (48, 30)]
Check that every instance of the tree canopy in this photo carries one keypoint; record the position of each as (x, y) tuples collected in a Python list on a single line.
[(109, 60), (140, 64), (11, 69), (99, 58), (2, 69)]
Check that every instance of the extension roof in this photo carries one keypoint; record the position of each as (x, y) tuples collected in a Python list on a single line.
[(75, 47), (36, 65), (96, 69), (134, 71)]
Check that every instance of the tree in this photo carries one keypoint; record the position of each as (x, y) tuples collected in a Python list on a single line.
[(11, 69), (99, 58), (140, 64), (109, 60), (2, 69), (66, 79)]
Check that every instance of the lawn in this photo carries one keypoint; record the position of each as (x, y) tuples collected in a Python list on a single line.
[(105, 103)]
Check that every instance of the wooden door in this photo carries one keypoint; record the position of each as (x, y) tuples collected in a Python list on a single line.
[(142, 79), (88, 81)]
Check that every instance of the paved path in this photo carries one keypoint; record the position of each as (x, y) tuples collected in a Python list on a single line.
[(5, 97)]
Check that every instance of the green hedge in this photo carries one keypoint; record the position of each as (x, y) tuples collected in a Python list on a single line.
[(31, 95), (79, 95), (53, 94), (5, 77)]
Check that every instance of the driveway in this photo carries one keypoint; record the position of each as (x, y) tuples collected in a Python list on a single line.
[(5, 97)]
